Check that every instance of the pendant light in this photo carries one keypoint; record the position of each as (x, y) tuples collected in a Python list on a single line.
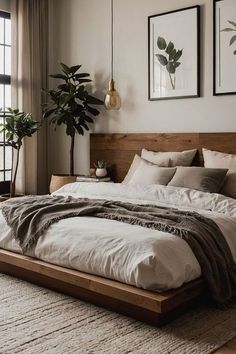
[(112, 98)]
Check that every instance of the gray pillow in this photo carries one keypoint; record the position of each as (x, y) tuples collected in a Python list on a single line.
[(147, 173), (176, 158), (199, 178), (136, 162)]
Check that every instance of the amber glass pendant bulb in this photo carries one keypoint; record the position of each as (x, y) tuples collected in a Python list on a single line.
[(112, 98)]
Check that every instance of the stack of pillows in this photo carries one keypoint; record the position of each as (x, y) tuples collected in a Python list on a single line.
[(174, 169)]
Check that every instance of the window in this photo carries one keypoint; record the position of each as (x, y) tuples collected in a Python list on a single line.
[(5, 92)]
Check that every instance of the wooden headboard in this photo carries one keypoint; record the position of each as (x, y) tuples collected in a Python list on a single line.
[(119, 149)]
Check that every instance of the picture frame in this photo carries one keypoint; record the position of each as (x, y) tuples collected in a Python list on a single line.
[(174, 54), (224, 51)]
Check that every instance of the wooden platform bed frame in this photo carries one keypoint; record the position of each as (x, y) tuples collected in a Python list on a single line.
[(151, 307)]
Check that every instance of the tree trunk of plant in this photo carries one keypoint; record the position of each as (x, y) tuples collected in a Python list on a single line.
[(72, 145), (13, 181)]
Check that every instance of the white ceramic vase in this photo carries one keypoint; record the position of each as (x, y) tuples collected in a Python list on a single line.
[(101, 172)]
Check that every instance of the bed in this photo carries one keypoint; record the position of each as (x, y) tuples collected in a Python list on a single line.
[(93, 272)]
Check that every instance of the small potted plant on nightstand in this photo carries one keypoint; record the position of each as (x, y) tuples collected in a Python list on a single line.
[(101, 169), (70, 104), (17, 126)]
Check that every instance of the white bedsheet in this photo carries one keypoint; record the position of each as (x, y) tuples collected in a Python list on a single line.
[(131, 254)]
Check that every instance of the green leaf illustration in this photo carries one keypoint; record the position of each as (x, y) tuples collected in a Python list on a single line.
[(232, 40), (228, 30), (172, 54), (162, 59), (161, 43), (170, 67), (176, 64), (232, 23), (178, 55), (169, 48), (171, 61)]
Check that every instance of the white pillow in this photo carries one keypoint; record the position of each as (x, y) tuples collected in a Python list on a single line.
[(136, 161), (215, 159), (183, 158), (147, 173)]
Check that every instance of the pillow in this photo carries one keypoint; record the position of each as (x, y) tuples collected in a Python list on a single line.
[(183, 158), (147, 173), (199, 178), (217, 159), (136, 161)]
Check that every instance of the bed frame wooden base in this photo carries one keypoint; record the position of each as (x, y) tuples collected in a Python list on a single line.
[(153, 308)]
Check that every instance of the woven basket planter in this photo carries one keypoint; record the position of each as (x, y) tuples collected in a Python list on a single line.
[(58, 181)]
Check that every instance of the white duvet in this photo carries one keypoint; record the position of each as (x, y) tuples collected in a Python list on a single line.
[(131, 254)]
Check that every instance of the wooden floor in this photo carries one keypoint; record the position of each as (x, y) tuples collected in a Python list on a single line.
[(228, 348)]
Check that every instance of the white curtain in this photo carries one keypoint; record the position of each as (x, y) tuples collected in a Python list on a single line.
[(29, 77)]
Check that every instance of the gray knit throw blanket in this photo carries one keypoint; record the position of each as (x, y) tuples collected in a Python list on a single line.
[(29, 217)]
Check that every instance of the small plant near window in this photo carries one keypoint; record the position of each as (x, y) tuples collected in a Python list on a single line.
[(17, 126), (169, 58)]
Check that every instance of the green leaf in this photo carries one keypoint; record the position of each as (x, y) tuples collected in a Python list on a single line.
[(161, 43), (93, 100), (232, 23), (65, 68), (59, 76), (170, 67), (162, 59), (74, 68), (93, 111), (172, 54), (63, 87), (85, 126), (79, 130), (48, 112), (170, 47), (178, 55), (80, 76), (88, 119), (81, 81), (233, 39)]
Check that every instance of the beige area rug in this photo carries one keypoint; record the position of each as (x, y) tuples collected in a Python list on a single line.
[(37, 321)]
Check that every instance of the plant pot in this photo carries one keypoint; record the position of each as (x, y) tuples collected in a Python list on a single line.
[(101, 172), (58, 181)]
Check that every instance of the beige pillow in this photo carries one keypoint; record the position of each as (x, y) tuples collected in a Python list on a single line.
[(199, 178), (215, 159), (183, 158), (148, 173), (136, 161)]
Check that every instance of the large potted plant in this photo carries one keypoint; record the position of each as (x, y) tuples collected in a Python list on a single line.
[(72, 105), (17, 126)]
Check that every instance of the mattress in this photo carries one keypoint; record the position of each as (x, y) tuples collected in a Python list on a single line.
[(131, 254)]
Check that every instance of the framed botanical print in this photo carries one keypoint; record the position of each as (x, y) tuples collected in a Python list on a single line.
[(174, 54), (224, 47)]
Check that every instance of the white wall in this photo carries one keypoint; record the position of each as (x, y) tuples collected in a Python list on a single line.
[(5, 5), (81, 34)]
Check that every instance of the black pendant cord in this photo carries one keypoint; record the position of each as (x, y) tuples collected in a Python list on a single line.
[(112, 37)]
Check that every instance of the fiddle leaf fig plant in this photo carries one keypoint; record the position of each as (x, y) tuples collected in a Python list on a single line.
[(169, 58), (70, 104), (17, 126)]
